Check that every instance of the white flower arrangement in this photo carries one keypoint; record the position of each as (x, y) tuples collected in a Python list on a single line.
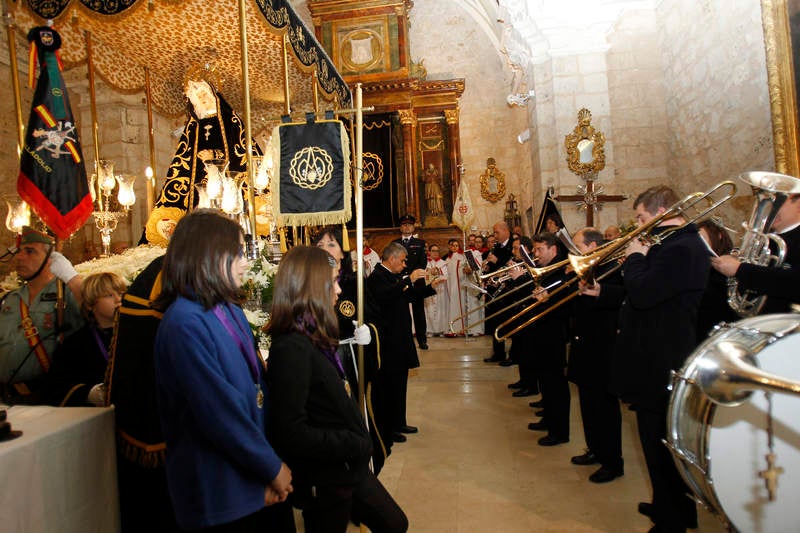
[(258, 281), (127, 265)]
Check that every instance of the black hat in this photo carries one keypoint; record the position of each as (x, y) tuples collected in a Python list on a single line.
[(407, 219)]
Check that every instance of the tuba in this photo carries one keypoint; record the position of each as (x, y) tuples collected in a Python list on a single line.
[(770, 190)]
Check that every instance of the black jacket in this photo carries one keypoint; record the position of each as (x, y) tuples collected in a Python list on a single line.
[(314, 424), (781, 285), (658, 319), (417, 256)]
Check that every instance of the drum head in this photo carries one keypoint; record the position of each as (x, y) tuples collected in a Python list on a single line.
[(738, 445)]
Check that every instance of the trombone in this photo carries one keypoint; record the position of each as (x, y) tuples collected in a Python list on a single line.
[(584, 265)]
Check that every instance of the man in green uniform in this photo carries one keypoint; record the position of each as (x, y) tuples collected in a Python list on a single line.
[(32, 323)]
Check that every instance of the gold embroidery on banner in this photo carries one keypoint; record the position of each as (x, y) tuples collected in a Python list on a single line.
[(347, 308), (372, 176), (311, 168)]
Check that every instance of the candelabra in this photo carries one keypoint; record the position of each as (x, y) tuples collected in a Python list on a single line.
[(102, 185), (18, 216)]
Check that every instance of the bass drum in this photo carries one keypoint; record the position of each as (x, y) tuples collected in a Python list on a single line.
[(720, 451)]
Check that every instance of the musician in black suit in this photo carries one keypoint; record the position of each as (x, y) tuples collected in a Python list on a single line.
[(417, 258), (664, 284), (594, 328), (547, 356), (497, 258), (780, 284), (392, 291)]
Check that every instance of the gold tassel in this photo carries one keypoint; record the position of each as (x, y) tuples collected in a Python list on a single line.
[(307, 236), (295, 236), (284, 248), (345, 239)]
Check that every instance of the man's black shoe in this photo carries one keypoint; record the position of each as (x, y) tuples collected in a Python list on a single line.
[(493, 359), (646, 509), (507, 362), (409, 429), (550, 440), (423, 346), (398, 437), (604, 475), (537, 403), (523, 392), (540, 412), (516, 385), (586, 459), (537, 426)]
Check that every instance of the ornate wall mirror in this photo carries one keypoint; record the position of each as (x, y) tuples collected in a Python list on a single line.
[(493, 182), (585, 153), (782, 42)]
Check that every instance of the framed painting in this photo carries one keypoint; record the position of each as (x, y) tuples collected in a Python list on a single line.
[(781, 23)]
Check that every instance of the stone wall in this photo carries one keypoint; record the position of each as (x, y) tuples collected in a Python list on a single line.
[(717, 103), (452, 45)]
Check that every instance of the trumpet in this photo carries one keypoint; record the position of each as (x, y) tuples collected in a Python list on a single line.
[(500, 275), (585, 265)]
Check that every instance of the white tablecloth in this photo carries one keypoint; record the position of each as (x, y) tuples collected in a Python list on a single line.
[(60, 476)]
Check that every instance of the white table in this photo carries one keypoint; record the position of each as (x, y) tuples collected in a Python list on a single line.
[(61, 474)]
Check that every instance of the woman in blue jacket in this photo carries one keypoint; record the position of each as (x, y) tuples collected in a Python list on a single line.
[(314, 416), (222, 472)]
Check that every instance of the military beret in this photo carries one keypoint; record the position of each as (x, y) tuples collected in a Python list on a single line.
[(30, 235)]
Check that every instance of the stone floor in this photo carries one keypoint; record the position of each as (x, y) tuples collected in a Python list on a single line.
[(474, 465)]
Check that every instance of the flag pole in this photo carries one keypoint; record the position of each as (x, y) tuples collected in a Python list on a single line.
[(151, 179), (93, 107), (252, 251), (359, 160), (13, 65)]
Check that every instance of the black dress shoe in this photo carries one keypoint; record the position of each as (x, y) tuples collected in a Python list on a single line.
[(493, 359), (516, 385), (540, 412), (409, 429), (586, 459), (551, 440), (605, 474), (507, 362), (423, 346), (538, 426), (398, 437), (537, 403), (647, 509), (523, 392)]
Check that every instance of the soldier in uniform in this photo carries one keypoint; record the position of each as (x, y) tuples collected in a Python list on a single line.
[(416, 259), (31, 324)]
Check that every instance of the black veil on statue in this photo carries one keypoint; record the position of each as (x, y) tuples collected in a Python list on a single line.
[(223, 131)]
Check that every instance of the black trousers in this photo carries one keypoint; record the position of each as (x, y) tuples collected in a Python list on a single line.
[(420, 325), (275, 518), (521, 354), (672, 508), (602, 424), (393, 392), (555, 400), (332, 507), (498, 347)]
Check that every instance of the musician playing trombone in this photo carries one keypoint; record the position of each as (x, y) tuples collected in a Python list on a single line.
[(548, 338), (496, 259), (594, 328), (664, 283)]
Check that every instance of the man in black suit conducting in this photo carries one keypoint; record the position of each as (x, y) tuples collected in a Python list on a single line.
[(417, 258), (498, 256)]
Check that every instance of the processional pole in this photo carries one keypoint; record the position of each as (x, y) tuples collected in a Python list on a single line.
[(252, 251), (12, 53), (93, 106), (150, 179), (359, 171)]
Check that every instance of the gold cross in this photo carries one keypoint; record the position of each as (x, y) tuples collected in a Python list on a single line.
[(770, 476)]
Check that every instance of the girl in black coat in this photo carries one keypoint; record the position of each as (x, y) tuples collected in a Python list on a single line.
[(314, 417)]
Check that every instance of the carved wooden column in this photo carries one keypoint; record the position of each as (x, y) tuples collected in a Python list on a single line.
[(454, 139), (409, 121)]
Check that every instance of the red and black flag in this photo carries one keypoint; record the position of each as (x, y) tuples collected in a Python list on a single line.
[(52, 176), (312, 183)]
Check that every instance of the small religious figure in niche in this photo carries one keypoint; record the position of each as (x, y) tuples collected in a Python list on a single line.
[(433, 191)]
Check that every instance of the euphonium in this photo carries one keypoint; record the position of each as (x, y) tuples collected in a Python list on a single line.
[(770, 190)]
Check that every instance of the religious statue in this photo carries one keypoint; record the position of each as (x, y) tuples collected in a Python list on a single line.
[(212, 127), (433, 191), (493, 182)]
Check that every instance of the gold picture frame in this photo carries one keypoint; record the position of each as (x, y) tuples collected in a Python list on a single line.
[(493, 182), (585, 146), (775, 19)]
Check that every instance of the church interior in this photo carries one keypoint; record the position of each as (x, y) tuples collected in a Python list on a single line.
[(588, 102)]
